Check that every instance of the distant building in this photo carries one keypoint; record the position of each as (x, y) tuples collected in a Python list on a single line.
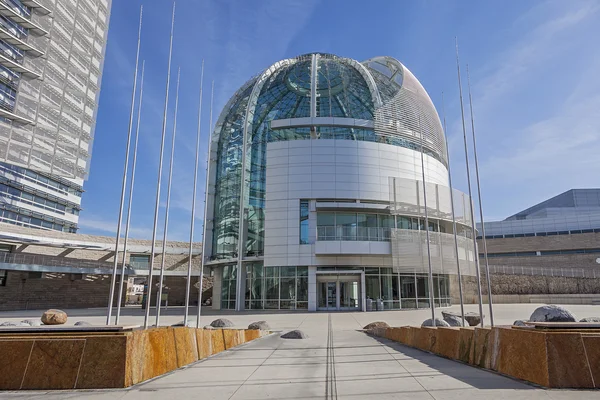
[(45, 269), (51, 61), (563, 231)]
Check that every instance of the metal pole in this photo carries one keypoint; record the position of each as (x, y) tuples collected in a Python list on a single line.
[(473, 230), (431, 297), (129, 203), (485, 253), (212, 92), (113, 279), (160, 164), (189, 272), (460, 288), (166, 227)]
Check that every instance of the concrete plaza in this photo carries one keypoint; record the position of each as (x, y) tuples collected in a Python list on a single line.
[(336, 361)]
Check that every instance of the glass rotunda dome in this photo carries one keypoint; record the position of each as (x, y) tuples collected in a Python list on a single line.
[(313, 96)]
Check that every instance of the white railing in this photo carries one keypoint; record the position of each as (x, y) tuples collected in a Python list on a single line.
[(569, 272)]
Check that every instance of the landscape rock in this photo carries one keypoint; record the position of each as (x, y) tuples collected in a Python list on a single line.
[(438, 322), (12, 323), (552, 313), (262, 325), (82, 323), (32, 322), (221, 323), (473, 319), (54, 317), (295, 334), (519, 322), (590, 319), (376, 325), (454, 320)]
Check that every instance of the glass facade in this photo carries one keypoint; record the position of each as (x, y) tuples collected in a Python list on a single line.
[(342, 90), (368, 226), (284, 288), (400, 291)]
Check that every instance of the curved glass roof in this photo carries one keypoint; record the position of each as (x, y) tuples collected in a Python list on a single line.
[(313, 96)]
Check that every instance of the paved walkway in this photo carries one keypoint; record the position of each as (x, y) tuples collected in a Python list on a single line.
[(336, 361)]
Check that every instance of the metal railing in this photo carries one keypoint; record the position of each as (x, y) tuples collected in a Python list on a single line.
[(569, 272), (50, 261), (354, 233)]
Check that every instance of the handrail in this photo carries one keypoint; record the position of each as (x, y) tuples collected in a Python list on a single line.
[(54, 261), (567, 272)]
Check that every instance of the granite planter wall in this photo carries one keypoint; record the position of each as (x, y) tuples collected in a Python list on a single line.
[(98, 360), (550, 358)]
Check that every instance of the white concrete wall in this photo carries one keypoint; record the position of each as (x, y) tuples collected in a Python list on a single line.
[(331, 169)]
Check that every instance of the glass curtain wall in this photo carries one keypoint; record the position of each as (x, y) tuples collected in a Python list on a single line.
[(366, 226), (401, 290), (228, 285), (284, 288)]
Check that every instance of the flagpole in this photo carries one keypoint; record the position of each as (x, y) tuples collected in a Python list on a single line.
[(189, 272), (160, 165), (473, 230), (485, 254), (431, 296), (212, 92), (113, 279), (460, 287), (166, 227), (131, 185)]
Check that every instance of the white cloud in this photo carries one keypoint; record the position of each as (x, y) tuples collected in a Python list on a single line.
[(536, 110)]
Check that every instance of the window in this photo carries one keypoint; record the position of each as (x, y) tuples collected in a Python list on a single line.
[(2, 277), (303, 221), (139, 261)]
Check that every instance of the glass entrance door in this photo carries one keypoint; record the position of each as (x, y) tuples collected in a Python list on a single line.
[(349, 295), (328, 295), (338, 293)]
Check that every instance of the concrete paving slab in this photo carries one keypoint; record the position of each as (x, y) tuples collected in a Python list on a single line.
[(342, 360)]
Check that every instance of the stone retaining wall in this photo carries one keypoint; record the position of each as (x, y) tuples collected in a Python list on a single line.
[(556, 359), (96, 360)]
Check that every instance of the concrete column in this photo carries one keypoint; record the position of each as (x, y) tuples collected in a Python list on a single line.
[(312, 288)]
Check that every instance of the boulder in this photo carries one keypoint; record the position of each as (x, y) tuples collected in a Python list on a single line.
[(376, 325), (32, 322), (438, 322), (552, 313), (221, 323), (590, 319), (472, 318), (454, 320), (208, 327), (519, 322), (295, 334), (54, 317), (262, 325), (82, 323)]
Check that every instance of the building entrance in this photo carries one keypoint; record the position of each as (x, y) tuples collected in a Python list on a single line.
[(339, 293)]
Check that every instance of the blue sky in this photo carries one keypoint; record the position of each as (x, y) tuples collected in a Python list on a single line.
[(534, 72)]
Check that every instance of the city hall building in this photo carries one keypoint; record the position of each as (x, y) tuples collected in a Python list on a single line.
[(316, 198)]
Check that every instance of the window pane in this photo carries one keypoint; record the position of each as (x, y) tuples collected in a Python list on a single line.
[(372, 283), (325, 219), (302, 289), (272, 288), (408, 288), (288, 271), (288, 289)]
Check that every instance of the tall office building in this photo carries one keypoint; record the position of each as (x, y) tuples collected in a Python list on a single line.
[(51, 59)]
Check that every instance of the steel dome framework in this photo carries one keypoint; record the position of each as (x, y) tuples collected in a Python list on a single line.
[(313, 96)]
